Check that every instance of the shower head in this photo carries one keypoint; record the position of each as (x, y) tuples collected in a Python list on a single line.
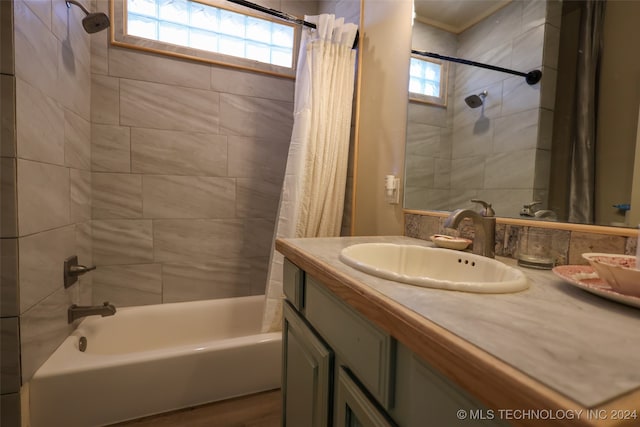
[(93, 22), (474, 101)]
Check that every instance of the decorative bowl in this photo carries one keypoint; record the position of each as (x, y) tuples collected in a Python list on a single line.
[(619, 271)]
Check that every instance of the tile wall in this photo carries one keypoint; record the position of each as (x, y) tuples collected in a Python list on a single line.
[(500, 151), (187, 163), (46, 183)]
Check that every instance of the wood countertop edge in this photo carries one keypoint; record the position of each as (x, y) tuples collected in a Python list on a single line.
[(497, 384)]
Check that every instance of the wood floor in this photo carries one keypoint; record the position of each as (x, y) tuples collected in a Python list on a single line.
[(257, 410)]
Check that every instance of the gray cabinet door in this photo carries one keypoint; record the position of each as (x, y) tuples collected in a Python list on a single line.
[(354, 408), (307, 368)]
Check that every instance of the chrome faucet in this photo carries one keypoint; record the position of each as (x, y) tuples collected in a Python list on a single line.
[(530, 211), (484, 223), (76, 311)]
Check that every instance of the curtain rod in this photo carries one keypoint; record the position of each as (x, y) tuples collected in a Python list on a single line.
[(283, 15), (532, 77)]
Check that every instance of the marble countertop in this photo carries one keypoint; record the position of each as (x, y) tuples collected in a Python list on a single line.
[(578, 345)]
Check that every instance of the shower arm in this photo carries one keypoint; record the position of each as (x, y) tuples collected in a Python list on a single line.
[(70, 2), (532, 77)]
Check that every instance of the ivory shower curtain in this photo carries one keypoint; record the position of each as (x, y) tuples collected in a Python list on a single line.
[(312, 198)]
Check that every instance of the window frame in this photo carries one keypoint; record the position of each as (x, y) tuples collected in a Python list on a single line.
[(441, 100), (120, 38)]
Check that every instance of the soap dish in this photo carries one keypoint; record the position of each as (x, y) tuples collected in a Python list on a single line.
[(450, 242)]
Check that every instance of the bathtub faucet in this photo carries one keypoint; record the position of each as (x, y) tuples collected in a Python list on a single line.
[(77, 311)]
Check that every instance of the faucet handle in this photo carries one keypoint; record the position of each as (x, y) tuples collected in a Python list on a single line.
[(488, 210)]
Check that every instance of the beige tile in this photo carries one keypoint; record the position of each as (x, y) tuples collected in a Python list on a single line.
[(467, 172), (257, 117), (257, 237), (9, 355), (528, 49), (188, 197), (8, 198), (36, 50), (259, 267), (198, 241), (178, 153), (219, 279), (121, 296), (84, 244), (6, 38), (252, 84), (548, 89), (100, 53), (516, 132), (80, 195), (77, 141), (41, 259), (518, 96), (122, 241), (66, 24), (551, 46), (110, 148), (42, 9), (105, 100), (9, 277), (44, 196), (515, 170), (74, 84), (84, 286), (42, 329), (257, 198), (160, 106), (257, 158), (7, 115), (39, 139), (472, 140), (149, 67), (502, 25), (128, 285), (533, 14), (117, 196)]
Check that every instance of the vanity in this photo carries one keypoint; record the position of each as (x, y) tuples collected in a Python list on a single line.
[(365, 351)]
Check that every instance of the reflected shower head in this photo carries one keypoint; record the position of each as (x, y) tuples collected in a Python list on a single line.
[(93, 22), (474, 101)]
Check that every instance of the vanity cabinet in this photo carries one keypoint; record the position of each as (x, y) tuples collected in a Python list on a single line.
[(339, 369)]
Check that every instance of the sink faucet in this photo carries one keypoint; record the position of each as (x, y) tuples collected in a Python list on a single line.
[(76, 312), (484, 223)]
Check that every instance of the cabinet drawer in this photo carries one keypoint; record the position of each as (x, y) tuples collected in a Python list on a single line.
[(293, 284), (366, 349)]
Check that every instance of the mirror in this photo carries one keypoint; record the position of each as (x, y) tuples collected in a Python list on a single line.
[(511, 146)]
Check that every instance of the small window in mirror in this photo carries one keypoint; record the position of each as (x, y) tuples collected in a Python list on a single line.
[(428, 81)]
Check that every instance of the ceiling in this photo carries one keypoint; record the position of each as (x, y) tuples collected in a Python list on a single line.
[(455, 16)]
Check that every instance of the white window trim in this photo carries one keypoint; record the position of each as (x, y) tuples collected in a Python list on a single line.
[(119, 37), (441, 100)]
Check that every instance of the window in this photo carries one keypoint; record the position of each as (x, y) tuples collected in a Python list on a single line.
[(428, 81), (206, 32)]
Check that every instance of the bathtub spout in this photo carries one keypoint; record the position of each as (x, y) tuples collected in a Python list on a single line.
[(76, 311)]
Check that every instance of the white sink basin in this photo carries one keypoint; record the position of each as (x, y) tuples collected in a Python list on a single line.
[(434, 268)]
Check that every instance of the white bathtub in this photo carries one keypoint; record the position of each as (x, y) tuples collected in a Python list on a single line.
[(152, 359)]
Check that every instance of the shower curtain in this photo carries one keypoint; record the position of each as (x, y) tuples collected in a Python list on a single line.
[(583, 139), (312, 197)]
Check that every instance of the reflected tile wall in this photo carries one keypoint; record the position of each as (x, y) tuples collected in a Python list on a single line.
[(494, 146)]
